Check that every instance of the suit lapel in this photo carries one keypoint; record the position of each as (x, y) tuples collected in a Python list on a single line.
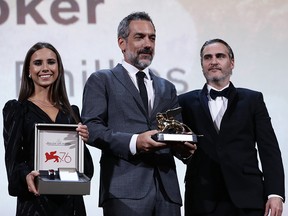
[(204, 101), (158, 89), (232, 96), (231, 100), (122, 75)]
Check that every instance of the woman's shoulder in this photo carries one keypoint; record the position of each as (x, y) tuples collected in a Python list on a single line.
[(12, 105), (13, 109), (75, 108)]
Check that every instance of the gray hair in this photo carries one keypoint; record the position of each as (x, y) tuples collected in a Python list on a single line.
[(123, 28)]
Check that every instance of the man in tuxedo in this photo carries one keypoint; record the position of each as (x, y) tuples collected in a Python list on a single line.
[(138, 174), (223, 177)]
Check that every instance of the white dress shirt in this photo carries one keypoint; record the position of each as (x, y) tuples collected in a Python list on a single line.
[(150, 92), (216, 105)]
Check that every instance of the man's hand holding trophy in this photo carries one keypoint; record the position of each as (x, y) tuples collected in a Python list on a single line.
[(175, 133)]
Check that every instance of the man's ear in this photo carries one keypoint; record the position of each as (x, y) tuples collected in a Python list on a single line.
[(232, 64), (122, 44)]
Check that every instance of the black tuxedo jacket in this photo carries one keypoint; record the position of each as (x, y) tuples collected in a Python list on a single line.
[(226, 162)]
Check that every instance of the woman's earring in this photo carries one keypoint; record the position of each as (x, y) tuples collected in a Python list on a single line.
[(29, 76)]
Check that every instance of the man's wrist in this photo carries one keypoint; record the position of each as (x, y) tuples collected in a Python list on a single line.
[(275, 195)]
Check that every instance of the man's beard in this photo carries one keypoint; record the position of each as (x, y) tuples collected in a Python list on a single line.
[(217, 79), (143, 63)]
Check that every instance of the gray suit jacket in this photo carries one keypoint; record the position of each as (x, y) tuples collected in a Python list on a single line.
[(113, 111)]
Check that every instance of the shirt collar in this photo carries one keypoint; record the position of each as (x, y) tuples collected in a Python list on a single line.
[(209, 87), (133, 70)]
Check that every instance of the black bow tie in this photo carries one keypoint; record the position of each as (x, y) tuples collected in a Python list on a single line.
[(224, 93)]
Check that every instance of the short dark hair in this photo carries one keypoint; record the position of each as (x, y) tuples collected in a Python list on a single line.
[(123, 28), (217, 40)]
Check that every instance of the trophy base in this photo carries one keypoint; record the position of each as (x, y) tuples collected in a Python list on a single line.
[(166, 137)]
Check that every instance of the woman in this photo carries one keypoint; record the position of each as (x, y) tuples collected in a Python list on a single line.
[(42, 99)]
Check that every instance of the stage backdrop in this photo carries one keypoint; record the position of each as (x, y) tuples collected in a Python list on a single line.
[(84, 32)]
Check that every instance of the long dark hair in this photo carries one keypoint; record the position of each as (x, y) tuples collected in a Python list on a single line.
[(57, 91)]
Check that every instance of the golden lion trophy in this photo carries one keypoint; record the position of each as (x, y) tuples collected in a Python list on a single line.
[(171, 129)]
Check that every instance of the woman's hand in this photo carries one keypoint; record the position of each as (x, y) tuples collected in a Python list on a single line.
[(83, 132), (31, 183)]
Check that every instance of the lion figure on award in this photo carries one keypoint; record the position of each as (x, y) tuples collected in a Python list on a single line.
[(171, 129), (167, 123)]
